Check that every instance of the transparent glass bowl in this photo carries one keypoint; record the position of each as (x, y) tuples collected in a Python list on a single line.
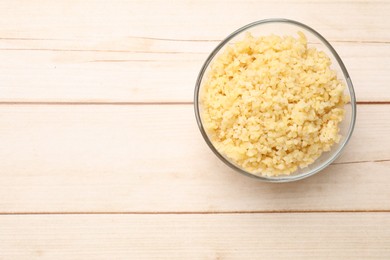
[(285, 27)]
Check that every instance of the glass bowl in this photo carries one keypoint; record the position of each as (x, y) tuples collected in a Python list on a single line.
[(286, 27)]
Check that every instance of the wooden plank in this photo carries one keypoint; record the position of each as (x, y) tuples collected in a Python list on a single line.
[(103, 21), (166, 76), (210, 236), (92, 51), (153, 159)]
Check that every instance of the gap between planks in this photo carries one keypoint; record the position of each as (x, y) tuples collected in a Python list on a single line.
[(176, 40), (150, 52), (119, 103), (98, 50), (193, 212), (94, 103)]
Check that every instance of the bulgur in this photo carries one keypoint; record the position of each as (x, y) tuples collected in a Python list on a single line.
[(270, 104)]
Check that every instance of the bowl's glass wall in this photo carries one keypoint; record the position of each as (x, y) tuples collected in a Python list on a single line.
[(314, 40)]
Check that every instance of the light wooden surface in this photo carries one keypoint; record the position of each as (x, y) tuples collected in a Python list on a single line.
[(197, 236), (101, 158)]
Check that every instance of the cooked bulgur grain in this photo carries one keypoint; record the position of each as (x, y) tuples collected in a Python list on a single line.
[(271, 104)]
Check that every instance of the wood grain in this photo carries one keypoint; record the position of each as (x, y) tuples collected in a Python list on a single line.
[(129, 52), (101, 158), (226, 236), (55, 75), (153, 159), (195, 20)]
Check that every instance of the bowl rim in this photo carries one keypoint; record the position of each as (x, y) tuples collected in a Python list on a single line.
[(284, 178)]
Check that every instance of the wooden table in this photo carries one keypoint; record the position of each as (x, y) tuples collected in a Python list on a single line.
[(101, 157)]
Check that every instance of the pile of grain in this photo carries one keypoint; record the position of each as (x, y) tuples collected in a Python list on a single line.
[(271, 104)]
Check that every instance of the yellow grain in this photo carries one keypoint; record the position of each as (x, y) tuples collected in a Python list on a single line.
[(271, 104)]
